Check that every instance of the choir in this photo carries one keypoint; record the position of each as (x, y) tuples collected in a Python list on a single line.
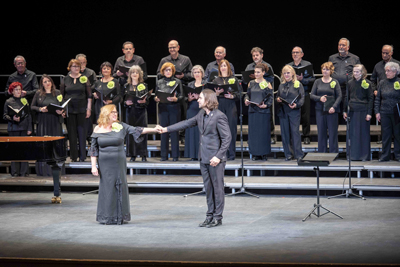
[(343, 89)]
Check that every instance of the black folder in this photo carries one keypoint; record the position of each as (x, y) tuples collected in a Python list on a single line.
[(21, 113), (293, 101), (305, 70), (257, 99), (330, 101), (108, 94), (135, 96), (52, 108), (189, 90), (228, 88), (246, 75), (125, 69), (165, 92)]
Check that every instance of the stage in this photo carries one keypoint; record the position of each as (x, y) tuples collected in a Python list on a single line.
[(268, 229)]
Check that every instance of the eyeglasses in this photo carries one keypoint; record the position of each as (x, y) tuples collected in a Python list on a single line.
[(114, 112)]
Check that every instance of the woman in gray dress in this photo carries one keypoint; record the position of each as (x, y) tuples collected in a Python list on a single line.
[(108, 146)]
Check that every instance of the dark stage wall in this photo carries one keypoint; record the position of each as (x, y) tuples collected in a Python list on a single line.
[(49, 36)]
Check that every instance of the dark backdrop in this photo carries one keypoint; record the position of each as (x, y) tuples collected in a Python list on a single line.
[(48, 36)]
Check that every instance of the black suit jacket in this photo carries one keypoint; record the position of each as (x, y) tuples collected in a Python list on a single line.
[(215, 136)]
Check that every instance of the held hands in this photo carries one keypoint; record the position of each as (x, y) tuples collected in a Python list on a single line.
[(161, 129), (323, 99), (15, 118), (44, 109), (293, 106)]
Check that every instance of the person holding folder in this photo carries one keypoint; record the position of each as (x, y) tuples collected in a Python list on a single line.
[(48, 122), (18, 124), (228, 88), (290, 96), (360, 101), (327, 94), (136, 100), (106, 90), (169, 93), (259, 99), (387, 110), (192, 134)]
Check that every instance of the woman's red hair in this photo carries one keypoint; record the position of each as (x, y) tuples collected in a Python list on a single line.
[(13, 86)]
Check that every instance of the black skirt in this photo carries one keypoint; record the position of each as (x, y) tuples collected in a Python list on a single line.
[(259, 133), (359, 136)]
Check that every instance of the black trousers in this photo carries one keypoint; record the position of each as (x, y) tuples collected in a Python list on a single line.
[(390, 128), (327, 124), (305, 116), (291, 139), (169, 114), (213, 178), (76, 126)]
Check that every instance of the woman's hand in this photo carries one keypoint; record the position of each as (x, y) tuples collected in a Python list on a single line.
[(262, 105), (172, 98), (247, 102), (43, 109), (323, 99), (331, 110), (378, 117), (368, 117), (88, 113), (293, 106), (142, 101), (219, 91), (156, 99), (278, 99), (15, 118), (228, 96), (345, 116), (107, 102), (95, 171), (95, 95)]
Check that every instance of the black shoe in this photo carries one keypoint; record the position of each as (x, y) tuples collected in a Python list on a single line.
[(163, 159), (73, 160), (214, 223), (205, 223), (379, 142), (231, 159), (289, 158), (194, 159), (175, 159), (306, 141), (81, 160), (132, 159), (273, 141), (265, 157), (382, 160), (144, 159), (256, 158)]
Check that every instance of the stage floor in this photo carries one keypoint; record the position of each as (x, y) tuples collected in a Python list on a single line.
[(164, 228)]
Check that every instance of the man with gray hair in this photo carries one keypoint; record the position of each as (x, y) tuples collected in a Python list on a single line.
[(91, 74), (343, 61), (26, 77), (378, 73), (219, 54)]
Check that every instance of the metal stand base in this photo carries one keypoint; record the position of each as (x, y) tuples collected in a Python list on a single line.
[(348, 193), (196, 193), (318, 207), (242, 191)]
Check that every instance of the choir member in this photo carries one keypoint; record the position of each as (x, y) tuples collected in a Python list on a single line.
[(136, 100), (290, 95), (327, 94), (259, 137), (169, 112), (77, 87)]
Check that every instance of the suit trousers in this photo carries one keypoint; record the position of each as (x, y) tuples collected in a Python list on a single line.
[(169, 114), (327, 124), (213, 178), (389, 129)]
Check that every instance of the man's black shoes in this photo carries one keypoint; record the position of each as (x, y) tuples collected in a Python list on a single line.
[(214, 223), (205, 223)]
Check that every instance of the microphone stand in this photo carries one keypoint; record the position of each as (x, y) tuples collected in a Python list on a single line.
[(242, 188), (349, 192)]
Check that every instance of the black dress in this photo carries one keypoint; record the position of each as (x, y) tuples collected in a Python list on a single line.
[(48, 124), (113, 201), (228, 107), (192, 135), (136, 115), (259, 138), (361, 97), (20, 128)]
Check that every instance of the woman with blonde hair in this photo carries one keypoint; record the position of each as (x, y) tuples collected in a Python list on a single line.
[(136, 100), (327, 94), (290, 96), (107, 150)]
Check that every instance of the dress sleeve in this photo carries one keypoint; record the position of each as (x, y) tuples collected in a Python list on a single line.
[(134, 131), (94, 148)]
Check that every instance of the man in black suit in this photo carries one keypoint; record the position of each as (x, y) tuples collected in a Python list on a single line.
[(215, 138)]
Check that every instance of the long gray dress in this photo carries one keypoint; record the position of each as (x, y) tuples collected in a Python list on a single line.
[(113, 201)]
